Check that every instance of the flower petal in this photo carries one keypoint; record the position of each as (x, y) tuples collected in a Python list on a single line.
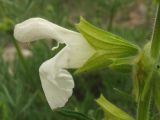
[(38, 28), (56, 81)]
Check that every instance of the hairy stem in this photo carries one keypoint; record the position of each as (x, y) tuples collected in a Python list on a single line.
[(155, 48), (143, 110), (145, 94)]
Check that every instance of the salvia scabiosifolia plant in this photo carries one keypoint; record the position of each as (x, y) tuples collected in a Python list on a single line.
[(91, 49)]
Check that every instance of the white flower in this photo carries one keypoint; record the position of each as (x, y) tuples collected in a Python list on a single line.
[(56, 81)]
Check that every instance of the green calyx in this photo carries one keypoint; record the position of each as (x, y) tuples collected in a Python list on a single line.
[(111, 111), (111, 50)]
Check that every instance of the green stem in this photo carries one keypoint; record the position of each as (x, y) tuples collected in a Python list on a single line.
[(148, 83), (143, 110), (155, 39), (155, 48), (21, 57), (145, 94)]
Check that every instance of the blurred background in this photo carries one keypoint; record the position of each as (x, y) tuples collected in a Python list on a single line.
[(21, 94)]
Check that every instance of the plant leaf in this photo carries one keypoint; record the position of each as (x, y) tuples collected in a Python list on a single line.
[(73, 114), (124, 95), (111, 111)]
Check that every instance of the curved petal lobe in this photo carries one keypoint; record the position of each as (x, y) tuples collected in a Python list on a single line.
[(57, 83)]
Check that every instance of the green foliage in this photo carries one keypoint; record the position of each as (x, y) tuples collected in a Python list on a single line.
[(6, 24)]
